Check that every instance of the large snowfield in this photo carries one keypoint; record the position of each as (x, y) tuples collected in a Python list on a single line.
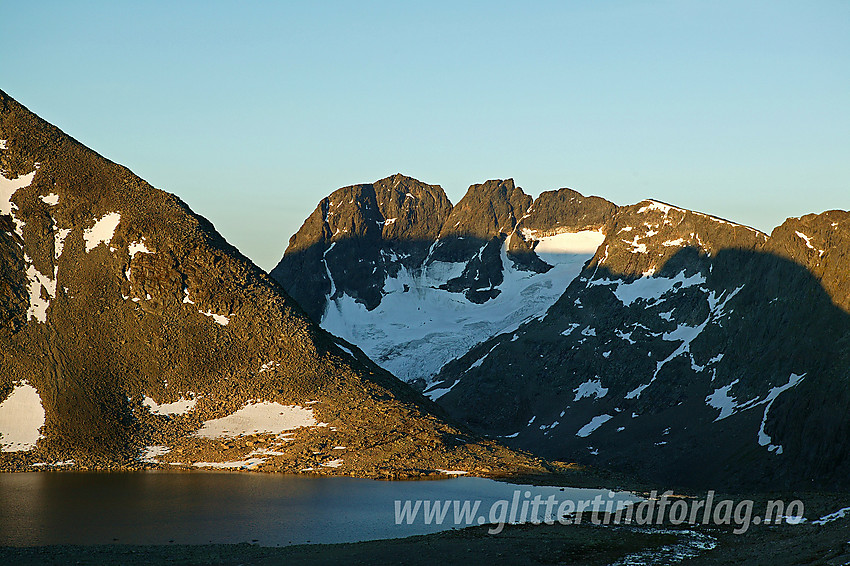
[(414, 333)]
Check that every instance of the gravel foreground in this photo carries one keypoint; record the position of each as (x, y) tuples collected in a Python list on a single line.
[(525, 544), (518, 544)]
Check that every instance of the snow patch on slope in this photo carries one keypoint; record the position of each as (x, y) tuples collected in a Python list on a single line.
[(685, 334), (41, 287), (138, 247), (179, 407), (721, 399), (59, 241), (590, 388), (38, 286), (8, 187), (218, 318), (594, 424), (651, 288), (435, 394), (553, 249), (808, 242), (259, 418), (102, 231), (51, 199), (21, 418), (840, 514), (763, 438)]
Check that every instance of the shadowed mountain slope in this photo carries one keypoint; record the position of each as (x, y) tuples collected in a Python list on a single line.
[(662, 341)]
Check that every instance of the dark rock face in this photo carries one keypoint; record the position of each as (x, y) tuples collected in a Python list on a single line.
[(117, 301), (489, 210), (357, 237), (566, 209), (13, 297), (487, 214), (690, 351)]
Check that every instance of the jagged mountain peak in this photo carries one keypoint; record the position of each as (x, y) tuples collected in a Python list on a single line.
[(355, 232), (486, 211), (475, 257), (818, 242)]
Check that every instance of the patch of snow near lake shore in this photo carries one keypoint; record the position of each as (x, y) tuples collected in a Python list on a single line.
[(151, 453), (249, 464), (21, 419), (179, 407), (259, 418)]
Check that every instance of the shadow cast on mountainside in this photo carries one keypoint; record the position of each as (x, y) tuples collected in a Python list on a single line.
[(358, 267), (779, 322)]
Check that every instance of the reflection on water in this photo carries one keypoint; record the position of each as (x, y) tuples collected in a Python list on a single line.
[(208, 507)]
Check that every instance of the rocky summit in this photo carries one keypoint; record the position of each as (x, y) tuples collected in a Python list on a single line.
[(133, 335), (681, 347)]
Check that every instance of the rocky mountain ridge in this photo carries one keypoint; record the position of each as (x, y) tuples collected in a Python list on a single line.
[(682, 347), (413, 298)]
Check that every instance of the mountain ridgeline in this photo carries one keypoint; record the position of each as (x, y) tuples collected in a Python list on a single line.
[(133, 335), (660, 341), (415, 282)]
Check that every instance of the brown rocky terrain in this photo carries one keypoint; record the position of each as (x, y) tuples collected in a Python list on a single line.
[(117, 301)]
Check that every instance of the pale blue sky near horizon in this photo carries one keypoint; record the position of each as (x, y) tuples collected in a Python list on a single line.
[(254, 111)]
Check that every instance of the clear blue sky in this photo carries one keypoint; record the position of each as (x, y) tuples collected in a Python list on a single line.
[(254, 111)]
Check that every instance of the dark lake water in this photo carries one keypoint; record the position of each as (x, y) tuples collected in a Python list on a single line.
[(208, 507)]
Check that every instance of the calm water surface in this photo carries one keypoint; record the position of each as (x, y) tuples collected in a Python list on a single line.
[(208, 507)]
